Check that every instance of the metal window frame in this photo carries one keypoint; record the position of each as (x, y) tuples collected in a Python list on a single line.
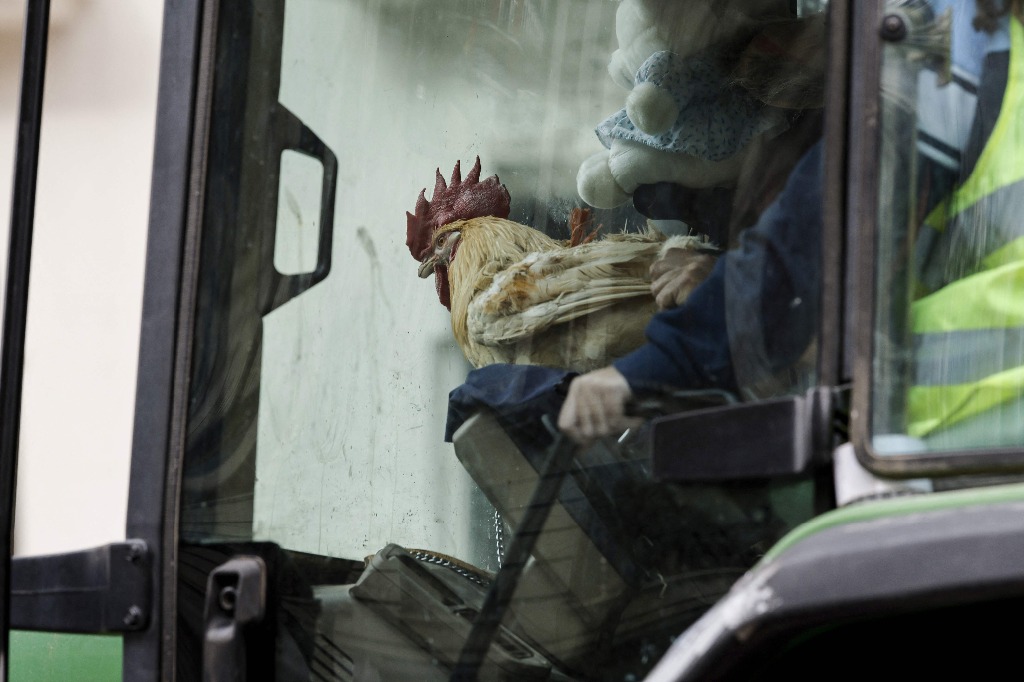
[(33, 72), (862, 218), (116, 588), (167, 317), (169, 330)]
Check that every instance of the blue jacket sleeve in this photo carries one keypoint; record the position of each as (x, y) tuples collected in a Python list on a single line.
[(689, 346)]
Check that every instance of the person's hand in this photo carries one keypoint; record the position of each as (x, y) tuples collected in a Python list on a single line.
[(676, 274), (596, 406)]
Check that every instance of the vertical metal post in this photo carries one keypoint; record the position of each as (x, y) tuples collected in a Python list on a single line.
[(897, 180), (37, 18)]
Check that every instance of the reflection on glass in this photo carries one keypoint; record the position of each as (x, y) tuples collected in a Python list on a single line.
[(298, 212), (395, 420), (949, 352)]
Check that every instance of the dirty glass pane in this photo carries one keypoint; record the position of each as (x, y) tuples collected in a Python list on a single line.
[(423, 219), (949, 351)]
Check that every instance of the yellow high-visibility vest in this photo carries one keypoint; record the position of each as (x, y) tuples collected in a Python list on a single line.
[(969, 334)]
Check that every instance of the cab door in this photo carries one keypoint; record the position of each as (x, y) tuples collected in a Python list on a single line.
[(328, 512), (96, 612), (77, 613)]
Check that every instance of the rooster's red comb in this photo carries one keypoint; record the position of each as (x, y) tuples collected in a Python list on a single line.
[(457, 200)]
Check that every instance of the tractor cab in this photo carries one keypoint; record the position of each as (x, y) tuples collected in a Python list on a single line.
[(342, 472)]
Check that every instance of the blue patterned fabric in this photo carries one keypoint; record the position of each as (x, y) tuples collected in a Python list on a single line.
[(715, 120)]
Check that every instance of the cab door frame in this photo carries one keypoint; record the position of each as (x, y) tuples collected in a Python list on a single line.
[(16, 293), (167, 313), (125, 587)]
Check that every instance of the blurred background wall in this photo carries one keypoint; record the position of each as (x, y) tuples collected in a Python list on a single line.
[(88, 261)]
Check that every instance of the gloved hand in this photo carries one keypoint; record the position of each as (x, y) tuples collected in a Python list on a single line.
[(596, 406), (676, 274)]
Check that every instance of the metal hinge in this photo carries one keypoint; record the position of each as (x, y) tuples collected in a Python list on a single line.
[(101, 590)]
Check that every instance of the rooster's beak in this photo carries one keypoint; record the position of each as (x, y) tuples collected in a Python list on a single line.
[(442, 254), (427, 266)]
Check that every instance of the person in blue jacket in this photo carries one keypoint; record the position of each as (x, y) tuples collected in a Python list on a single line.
[(772, 282), (746, 327)]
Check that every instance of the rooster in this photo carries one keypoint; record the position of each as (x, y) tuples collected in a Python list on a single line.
[(518, 296)]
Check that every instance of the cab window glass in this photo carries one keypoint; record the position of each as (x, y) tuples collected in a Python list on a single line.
[(425, 222), (949, 353)]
